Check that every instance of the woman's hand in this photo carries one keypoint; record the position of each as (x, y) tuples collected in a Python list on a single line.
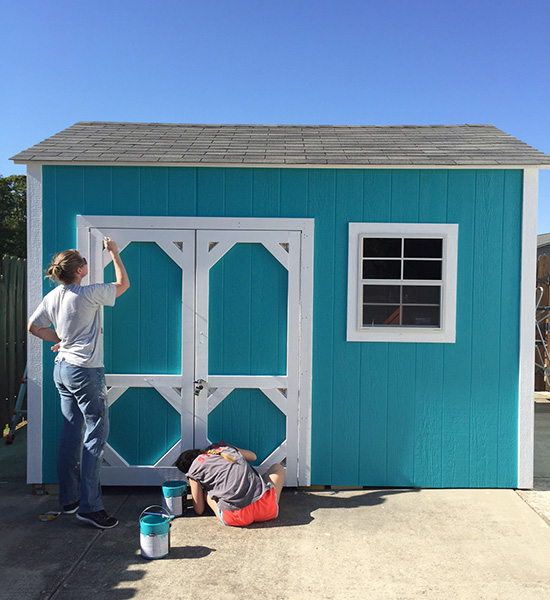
[(110, 245), (55, 347)]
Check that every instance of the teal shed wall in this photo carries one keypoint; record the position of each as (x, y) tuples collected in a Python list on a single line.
[(383, 414)]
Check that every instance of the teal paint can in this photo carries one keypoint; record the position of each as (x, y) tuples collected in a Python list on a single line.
[(174, 497), (154, 532)]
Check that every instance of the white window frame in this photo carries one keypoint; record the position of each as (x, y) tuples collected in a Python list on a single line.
[(446, 333)]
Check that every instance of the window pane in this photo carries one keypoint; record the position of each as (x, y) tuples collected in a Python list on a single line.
[(381, 269), (380, 315), (423, 248), (383, 247), (421, 316), (422, 269), (421, 294), (381, 294)]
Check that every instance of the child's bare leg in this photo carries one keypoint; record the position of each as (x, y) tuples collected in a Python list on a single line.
[(276, 474)]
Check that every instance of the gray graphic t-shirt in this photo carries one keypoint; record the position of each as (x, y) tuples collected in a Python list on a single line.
[(228, 478), (74, 311)]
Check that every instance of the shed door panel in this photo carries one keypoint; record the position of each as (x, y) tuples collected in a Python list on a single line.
[(247, 352), (149, 370), (222, 306)]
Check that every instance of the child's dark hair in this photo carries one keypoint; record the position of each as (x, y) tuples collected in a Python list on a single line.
[(186, 458)]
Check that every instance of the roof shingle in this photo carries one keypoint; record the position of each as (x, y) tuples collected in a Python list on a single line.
[(181, 144)]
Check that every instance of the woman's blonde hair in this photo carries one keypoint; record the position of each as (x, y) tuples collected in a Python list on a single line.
[(64, 266)]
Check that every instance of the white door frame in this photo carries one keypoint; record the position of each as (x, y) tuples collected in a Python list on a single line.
[(90, 230)]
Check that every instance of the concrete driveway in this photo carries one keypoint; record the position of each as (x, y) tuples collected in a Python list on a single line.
[(334, 544)]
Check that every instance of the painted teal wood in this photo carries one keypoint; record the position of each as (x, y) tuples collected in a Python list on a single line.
[(143, 426), (457, 366), (211, 192), (238, 192), (263, 432), (509, 336), (374, 391), (419, 414), (182, 192), (247, 313), (126, 191), (266, 193), (98, 191), (294, 193), (144, 326), (153, 191), (486, 304), (402, 373), (346, 409), (429, 379), (325, 449)]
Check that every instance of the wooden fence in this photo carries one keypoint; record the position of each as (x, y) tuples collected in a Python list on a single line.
[(542, 334), (13, 332)]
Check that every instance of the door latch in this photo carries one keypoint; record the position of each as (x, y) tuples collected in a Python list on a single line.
[(199, 385)]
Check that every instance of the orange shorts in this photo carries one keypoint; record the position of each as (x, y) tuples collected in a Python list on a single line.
[(264, 509)]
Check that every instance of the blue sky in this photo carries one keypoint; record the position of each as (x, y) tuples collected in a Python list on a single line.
[(356, 62)]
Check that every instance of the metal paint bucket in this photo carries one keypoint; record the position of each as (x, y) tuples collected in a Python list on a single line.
[(154, 532), (174, 497)]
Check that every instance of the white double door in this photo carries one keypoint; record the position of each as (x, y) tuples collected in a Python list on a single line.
[(232, 303)]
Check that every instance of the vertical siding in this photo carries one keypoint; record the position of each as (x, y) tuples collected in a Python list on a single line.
[(346, 406), (382, 414), (375, 391), (321, 203)]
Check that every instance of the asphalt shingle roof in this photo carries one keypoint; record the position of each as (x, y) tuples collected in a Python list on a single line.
[(180, 144)]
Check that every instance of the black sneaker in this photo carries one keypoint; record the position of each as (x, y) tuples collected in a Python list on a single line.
[(70, 509), (98, 519)]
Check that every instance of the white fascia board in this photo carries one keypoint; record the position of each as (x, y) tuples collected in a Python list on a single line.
[(526, 413), (34, 345), (219, 165)]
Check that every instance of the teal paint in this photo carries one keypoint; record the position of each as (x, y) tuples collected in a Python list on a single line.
[(247, 333), (382, 413), (264, 431), (143, 329), (143, 426), (346, 409)]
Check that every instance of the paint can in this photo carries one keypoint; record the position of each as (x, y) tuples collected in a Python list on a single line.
[(154, 532), (174, 497)]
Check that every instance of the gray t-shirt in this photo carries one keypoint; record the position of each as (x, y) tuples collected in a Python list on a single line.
[(74, 311), (232, 485)]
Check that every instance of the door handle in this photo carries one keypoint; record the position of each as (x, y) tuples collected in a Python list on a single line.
[(199, 386)]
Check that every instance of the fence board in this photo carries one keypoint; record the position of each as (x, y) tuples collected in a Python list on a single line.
[(542, 336), (13, 337)]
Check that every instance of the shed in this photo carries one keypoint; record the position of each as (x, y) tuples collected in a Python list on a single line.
[(543, 244), (354, 301)]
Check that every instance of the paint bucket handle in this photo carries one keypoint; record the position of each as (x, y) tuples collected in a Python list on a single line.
[(164, 512)]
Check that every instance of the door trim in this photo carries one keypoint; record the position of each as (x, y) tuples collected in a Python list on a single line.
[(303, 321)]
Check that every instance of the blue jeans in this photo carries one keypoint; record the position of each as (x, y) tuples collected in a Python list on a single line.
[(85, 429)]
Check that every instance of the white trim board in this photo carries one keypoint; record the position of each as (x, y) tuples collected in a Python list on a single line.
[(526, 412), (277, 165), (34, 345), (448, 232), (301, 231), (141, 222)]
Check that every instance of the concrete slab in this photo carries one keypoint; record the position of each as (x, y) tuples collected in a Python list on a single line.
[(383, 544)]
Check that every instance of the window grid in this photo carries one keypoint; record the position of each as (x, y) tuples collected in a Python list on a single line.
[(400, 283)]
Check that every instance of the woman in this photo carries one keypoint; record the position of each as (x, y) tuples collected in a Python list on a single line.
[(74, 312), (221, 476)]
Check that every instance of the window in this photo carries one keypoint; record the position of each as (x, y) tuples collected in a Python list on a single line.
[(402, 282)]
